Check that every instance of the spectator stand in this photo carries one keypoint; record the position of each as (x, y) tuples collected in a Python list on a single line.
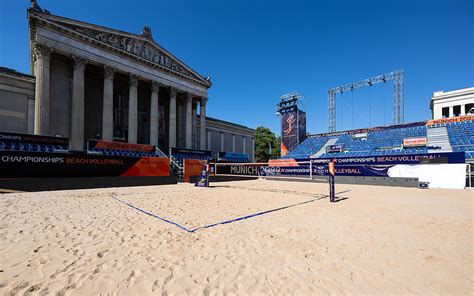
[(232, 157), (33, 143), (405, 139), (111, 148)]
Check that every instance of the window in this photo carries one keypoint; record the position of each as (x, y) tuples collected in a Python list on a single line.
[(445, 112), (457, 110), (467, 109)]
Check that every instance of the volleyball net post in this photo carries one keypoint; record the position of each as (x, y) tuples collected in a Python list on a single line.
[(332, 173)]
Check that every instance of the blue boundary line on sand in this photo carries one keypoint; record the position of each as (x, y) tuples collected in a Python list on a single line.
[(218, 223), (153, 215)]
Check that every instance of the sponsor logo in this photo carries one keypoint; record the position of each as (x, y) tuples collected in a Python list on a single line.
[(321, 170), (291, 120), (453, 119), (32, 159), (348, 171), (414, 142), (122, 146), (97, 161), (282, 162), (244, 170)]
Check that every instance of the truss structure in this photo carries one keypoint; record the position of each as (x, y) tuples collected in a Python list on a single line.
[(398, 97)]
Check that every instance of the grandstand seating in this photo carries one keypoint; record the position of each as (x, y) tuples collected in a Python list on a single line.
[(29, 147), (232, 157), (180, 157), (461, 137), (378, 143), (308, 147), (387, 141), (128, 153), (34, 147)]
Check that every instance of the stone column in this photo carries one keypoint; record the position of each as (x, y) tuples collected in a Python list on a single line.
[(451, 111), (31, 115), (203, 123), (233, 143), (132, 109), (172, 123), (42, 90), (77, 111), (155, 87), (463, 110), (108, 104), (252, 157), (222, 142), (243, 144), (189, 121), (195, 146), (209, 140)]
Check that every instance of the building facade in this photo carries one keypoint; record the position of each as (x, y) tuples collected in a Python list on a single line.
[(452, 103), (224, 136), (17, 101), (93, 82)]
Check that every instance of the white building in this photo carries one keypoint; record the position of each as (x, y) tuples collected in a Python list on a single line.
[(452, 103)]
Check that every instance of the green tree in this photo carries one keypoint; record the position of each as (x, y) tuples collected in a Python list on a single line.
[(263, 139)]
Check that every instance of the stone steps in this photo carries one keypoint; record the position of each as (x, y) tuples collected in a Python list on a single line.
[(321, 151), (438, 137)]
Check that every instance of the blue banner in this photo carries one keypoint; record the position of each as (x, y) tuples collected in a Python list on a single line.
[(451, 157), (322, 170), (355, 170), (375, 166)]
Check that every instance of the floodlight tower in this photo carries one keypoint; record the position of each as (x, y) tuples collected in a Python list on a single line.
[(293, 121)]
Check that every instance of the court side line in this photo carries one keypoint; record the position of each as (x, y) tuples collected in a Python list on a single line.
[(153, 215), (218, 223), (254, 215)]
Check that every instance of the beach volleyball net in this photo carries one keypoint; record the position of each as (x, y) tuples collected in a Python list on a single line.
[(305, 170), (288, 169)]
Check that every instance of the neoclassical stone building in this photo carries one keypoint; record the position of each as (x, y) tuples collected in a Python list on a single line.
[(95, 82)]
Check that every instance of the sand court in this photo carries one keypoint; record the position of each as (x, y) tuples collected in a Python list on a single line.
[(251, 201), (377, 240)]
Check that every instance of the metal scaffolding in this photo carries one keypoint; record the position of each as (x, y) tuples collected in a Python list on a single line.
[(398, 98)]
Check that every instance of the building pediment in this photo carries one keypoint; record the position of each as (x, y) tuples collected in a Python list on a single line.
[(139, 47)]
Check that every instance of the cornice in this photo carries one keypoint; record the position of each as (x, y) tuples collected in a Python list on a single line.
[(47, 21)]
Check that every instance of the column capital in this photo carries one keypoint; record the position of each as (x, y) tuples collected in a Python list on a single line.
[(41, 50), (203, 101), (78, 63), (133, 79), (109, 72), (155, 86), (173, 92)]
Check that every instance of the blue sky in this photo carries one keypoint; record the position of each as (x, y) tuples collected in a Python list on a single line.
[(256, 51)]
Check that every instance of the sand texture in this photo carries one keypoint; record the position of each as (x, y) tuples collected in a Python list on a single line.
[(379, 240)]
